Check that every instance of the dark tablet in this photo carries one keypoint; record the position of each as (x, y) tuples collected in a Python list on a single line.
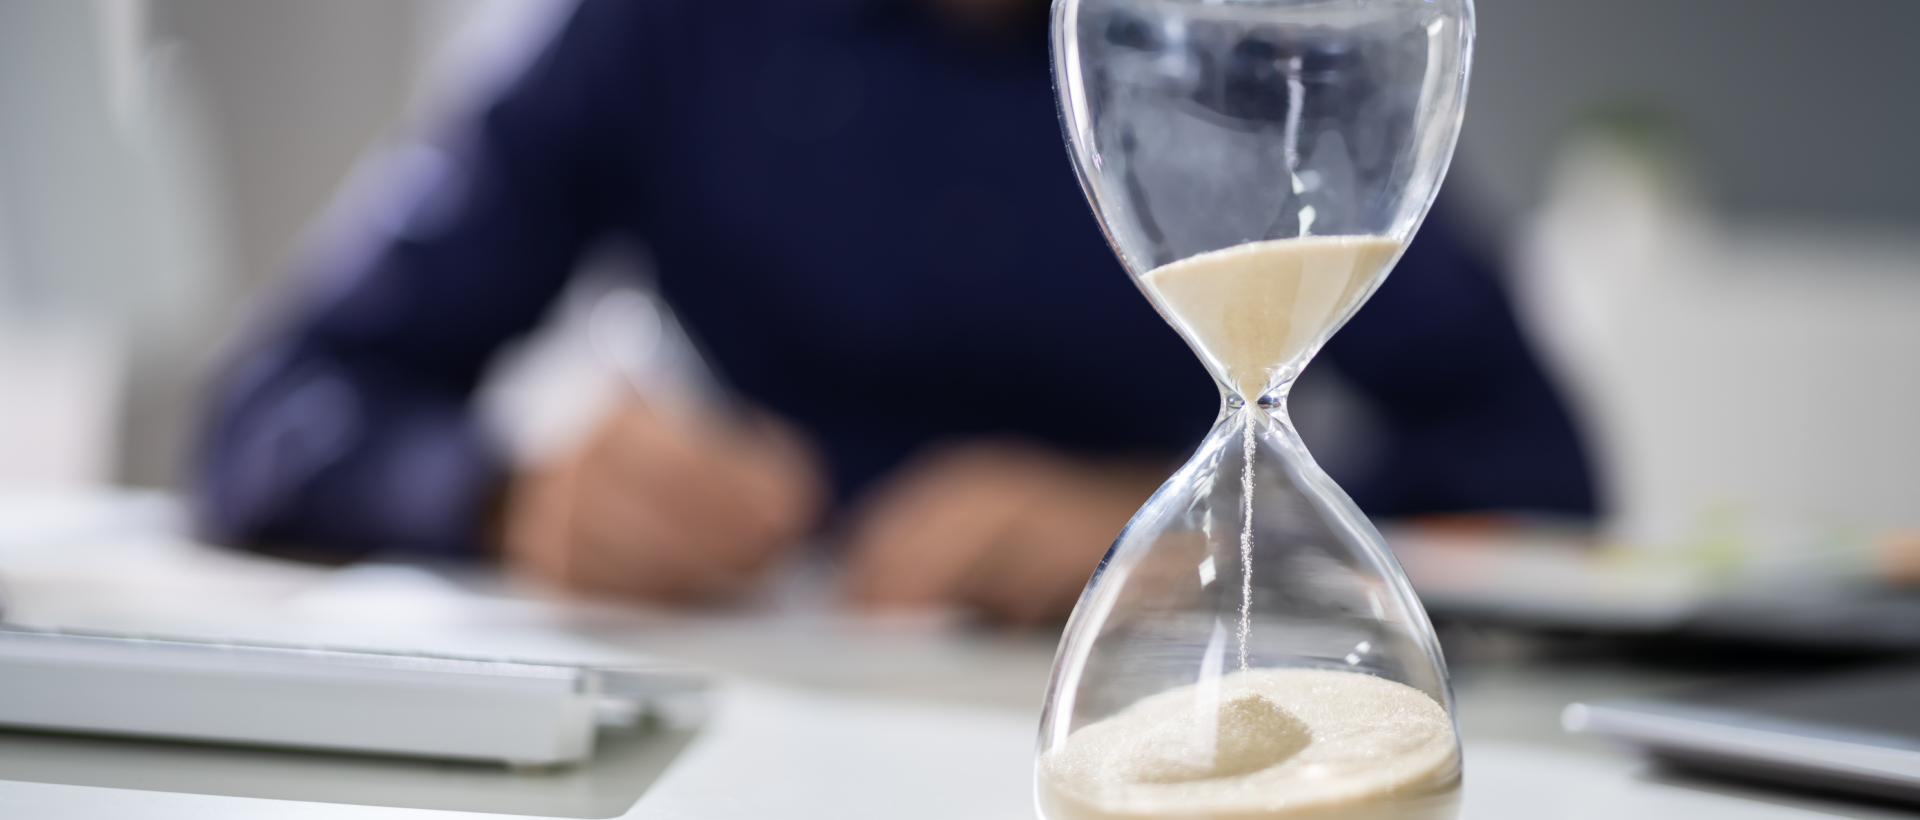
[(1857, 732)]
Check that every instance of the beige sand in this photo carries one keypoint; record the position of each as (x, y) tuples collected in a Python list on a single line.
[(1253, 308), (1292, 743)]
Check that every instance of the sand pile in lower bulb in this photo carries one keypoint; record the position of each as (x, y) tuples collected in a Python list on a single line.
[(1262, 743)]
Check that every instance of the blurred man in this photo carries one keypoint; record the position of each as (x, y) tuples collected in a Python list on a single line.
[(864, 210)]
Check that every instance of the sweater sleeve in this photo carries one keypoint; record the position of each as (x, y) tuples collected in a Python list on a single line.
[(344, 430)]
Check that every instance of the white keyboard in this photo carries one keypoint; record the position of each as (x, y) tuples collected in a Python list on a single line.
[(519, 713)]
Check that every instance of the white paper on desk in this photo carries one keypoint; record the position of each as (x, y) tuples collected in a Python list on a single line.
[(777, 753), (787, 753)]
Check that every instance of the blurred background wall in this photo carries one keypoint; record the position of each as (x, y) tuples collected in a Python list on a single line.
[(161, 160), (296, 92), (1793, 111)]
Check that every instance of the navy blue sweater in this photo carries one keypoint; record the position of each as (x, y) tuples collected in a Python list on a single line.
[(872, 224)]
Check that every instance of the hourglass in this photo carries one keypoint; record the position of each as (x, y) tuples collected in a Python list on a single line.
[(1248, 647)]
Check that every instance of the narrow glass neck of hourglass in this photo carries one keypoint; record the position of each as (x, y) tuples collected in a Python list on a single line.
[(1273, 402)]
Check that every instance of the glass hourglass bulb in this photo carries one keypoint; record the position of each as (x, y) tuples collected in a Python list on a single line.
[(1248, 647)]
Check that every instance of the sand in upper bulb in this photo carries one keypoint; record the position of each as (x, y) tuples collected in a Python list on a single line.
[(1252, 308), (1264, 743)]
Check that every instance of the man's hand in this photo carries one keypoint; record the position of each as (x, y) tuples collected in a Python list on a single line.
[(1011, 529), (662, 510)]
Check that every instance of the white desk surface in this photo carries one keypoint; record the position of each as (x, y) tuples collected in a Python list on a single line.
[(821, 715)]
